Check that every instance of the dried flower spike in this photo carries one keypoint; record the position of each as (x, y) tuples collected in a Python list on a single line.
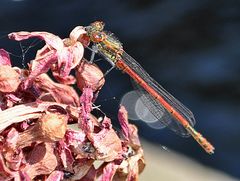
[(47, 130)]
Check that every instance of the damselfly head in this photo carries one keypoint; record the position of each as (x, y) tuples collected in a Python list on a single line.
[(97, 26)]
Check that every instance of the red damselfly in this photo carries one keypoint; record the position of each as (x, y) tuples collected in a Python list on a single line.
[(160, 103)]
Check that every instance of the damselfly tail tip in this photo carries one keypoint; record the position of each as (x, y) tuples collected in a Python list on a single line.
[(207, 146), (209, 149)]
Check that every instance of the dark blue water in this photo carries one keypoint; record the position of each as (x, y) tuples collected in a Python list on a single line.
[(191, 47)]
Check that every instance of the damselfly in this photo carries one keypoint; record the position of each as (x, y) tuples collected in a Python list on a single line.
[(160, 103)]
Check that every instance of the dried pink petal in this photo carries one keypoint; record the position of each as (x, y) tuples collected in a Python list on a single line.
[(134, 139), (77, 32), (12, 138), (13, 159), (51, 40), (8, 100), (135, 166), (24, 176), (129, 131), (13, 98), (9, 79), (91, 175), (55, 176), (81, 168), (65, 155), (133, 171), (20, 113), (67, 80), (130, 168), (74, 137), (108, 171), (123, 120), (41, 160), (76, 49), (86, 107), (67, 56), (65, 59), (40, 65), (4, 58), (61, 93), (106, 142), (6, 173), (89, 75)]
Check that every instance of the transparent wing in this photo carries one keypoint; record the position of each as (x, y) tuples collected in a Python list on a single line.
[(153, 105)]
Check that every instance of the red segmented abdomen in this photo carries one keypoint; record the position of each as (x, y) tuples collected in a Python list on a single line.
[(197, 136), (125, 68)]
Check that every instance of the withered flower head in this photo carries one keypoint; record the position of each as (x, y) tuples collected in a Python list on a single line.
[(47, 131)]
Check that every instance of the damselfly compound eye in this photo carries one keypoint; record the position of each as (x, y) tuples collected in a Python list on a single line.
[(98, 37)]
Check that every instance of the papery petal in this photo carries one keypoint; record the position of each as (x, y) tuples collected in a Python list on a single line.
[(136, 165), (12, 138), (24, 176), (4, 58), (51, 40), (65, 155), (75, 138), (61, 93), (43, 64), (13, 159), (55, 176), (131, 167), (81, 168), (133, 171), (39, 66), (45, 49), (78, 51), (91, 175), (108, 172), (24, 112), (106, 142), (41, 161), (123, 120), (13, 98), (86, 107), (65, 59), (6, 173), (134, 139), (69, 57), (67, 80), (129, 131), (77, 32)]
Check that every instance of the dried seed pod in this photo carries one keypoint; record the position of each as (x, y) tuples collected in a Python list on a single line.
[(53, 126), (89, 75), (9, 79)]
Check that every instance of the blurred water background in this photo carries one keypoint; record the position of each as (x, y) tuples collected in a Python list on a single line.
[(190, 47)]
